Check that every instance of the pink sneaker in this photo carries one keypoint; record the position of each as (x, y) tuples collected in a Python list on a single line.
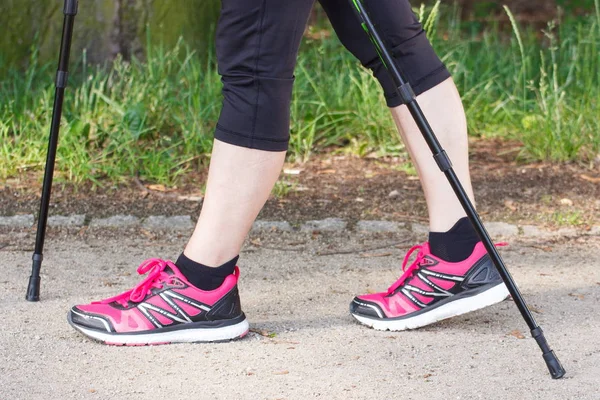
[(164, 308), (431, 290)]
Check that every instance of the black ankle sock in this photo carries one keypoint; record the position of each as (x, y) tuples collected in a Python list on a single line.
[(202, 276), (455, 245)]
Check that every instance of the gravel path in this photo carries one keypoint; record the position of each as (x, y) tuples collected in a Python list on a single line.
[(304, 344)]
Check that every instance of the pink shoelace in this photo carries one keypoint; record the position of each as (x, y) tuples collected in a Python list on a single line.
[(407, 272), (154, 267)]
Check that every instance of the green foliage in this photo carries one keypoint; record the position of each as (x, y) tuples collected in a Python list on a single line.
[(155, 118), (99, 31)]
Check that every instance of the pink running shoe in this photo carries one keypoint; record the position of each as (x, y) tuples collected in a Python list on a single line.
[(431, 290), (164, 308)]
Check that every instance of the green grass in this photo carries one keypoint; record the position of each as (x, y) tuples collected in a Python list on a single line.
[(155, 118)]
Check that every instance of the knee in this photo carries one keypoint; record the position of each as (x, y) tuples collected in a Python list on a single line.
[(417, 61), (256, 111)]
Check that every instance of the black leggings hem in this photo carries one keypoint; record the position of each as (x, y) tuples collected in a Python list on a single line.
[(429, 81), (251, 142)]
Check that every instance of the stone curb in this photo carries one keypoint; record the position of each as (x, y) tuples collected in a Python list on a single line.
[(325, 225), (185, 222), (179, 222), (266, 226), (17, 221), (69, 220), (116, 221), (378, 226)]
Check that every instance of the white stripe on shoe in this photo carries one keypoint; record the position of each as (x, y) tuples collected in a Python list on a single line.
[(177, 336), (451, 309)]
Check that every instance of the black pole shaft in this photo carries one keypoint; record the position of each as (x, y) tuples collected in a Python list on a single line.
[(405, 91), (69, 11)]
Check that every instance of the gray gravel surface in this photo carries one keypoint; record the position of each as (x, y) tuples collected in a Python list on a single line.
[(303, 343)]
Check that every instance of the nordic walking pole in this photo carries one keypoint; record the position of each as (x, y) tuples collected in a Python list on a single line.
[(409, 99), (69, 10)]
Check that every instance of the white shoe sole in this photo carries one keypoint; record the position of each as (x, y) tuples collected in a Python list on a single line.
[(178, 336), (452, 309)]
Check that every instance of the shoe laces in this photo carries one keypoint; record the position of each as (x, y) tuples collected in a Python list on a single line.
[(407, 272), (155, 268)]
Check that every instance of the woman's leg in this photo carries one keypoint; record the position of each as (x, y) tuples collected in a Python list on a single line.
[(239, 183), (452, 273), (257, 45), (196, 298), (444, 111)]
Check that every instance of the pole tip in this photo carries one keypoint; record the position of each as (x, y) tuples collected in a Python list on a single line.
[(554, 366), (33, 289)]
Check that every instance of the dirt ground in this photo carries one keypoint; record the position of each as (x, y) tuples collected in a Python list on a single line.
[(303, 344), (352, 188)]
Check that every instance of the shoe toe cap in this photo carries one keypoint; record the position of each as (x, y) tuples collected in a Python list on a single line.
[(83, 319), (365, 308)]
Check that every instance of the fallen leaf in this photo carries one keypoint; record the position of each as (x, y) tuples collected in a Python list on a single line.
[(371, 255), (147, 233), (510, 205), (326, 171), (190, 198), (517, 333), (536, 310), (427, 376), (589, 178), (284, 372), (577, 295), (264, 332), (566, 202), (158, 188), (371, 291)]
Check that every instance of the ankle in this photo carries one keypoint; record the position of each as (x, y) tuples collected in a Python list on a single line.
[(203, 276), (456, 244)]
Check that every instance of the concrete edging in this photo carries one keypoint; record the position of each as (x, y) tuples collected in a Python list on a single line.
[(185, 222)]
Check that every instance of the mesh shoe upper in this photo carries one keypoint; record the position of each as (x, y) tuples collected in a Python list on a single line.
[(427, 281), (163, 299)]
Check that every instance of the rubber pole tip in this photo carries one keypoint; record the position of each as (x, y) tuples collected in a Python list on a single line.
[(33, 289), (554, 366)]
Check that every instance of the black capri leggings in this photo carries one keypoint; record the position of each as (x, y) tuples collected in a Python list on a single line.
[(257, 45)]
